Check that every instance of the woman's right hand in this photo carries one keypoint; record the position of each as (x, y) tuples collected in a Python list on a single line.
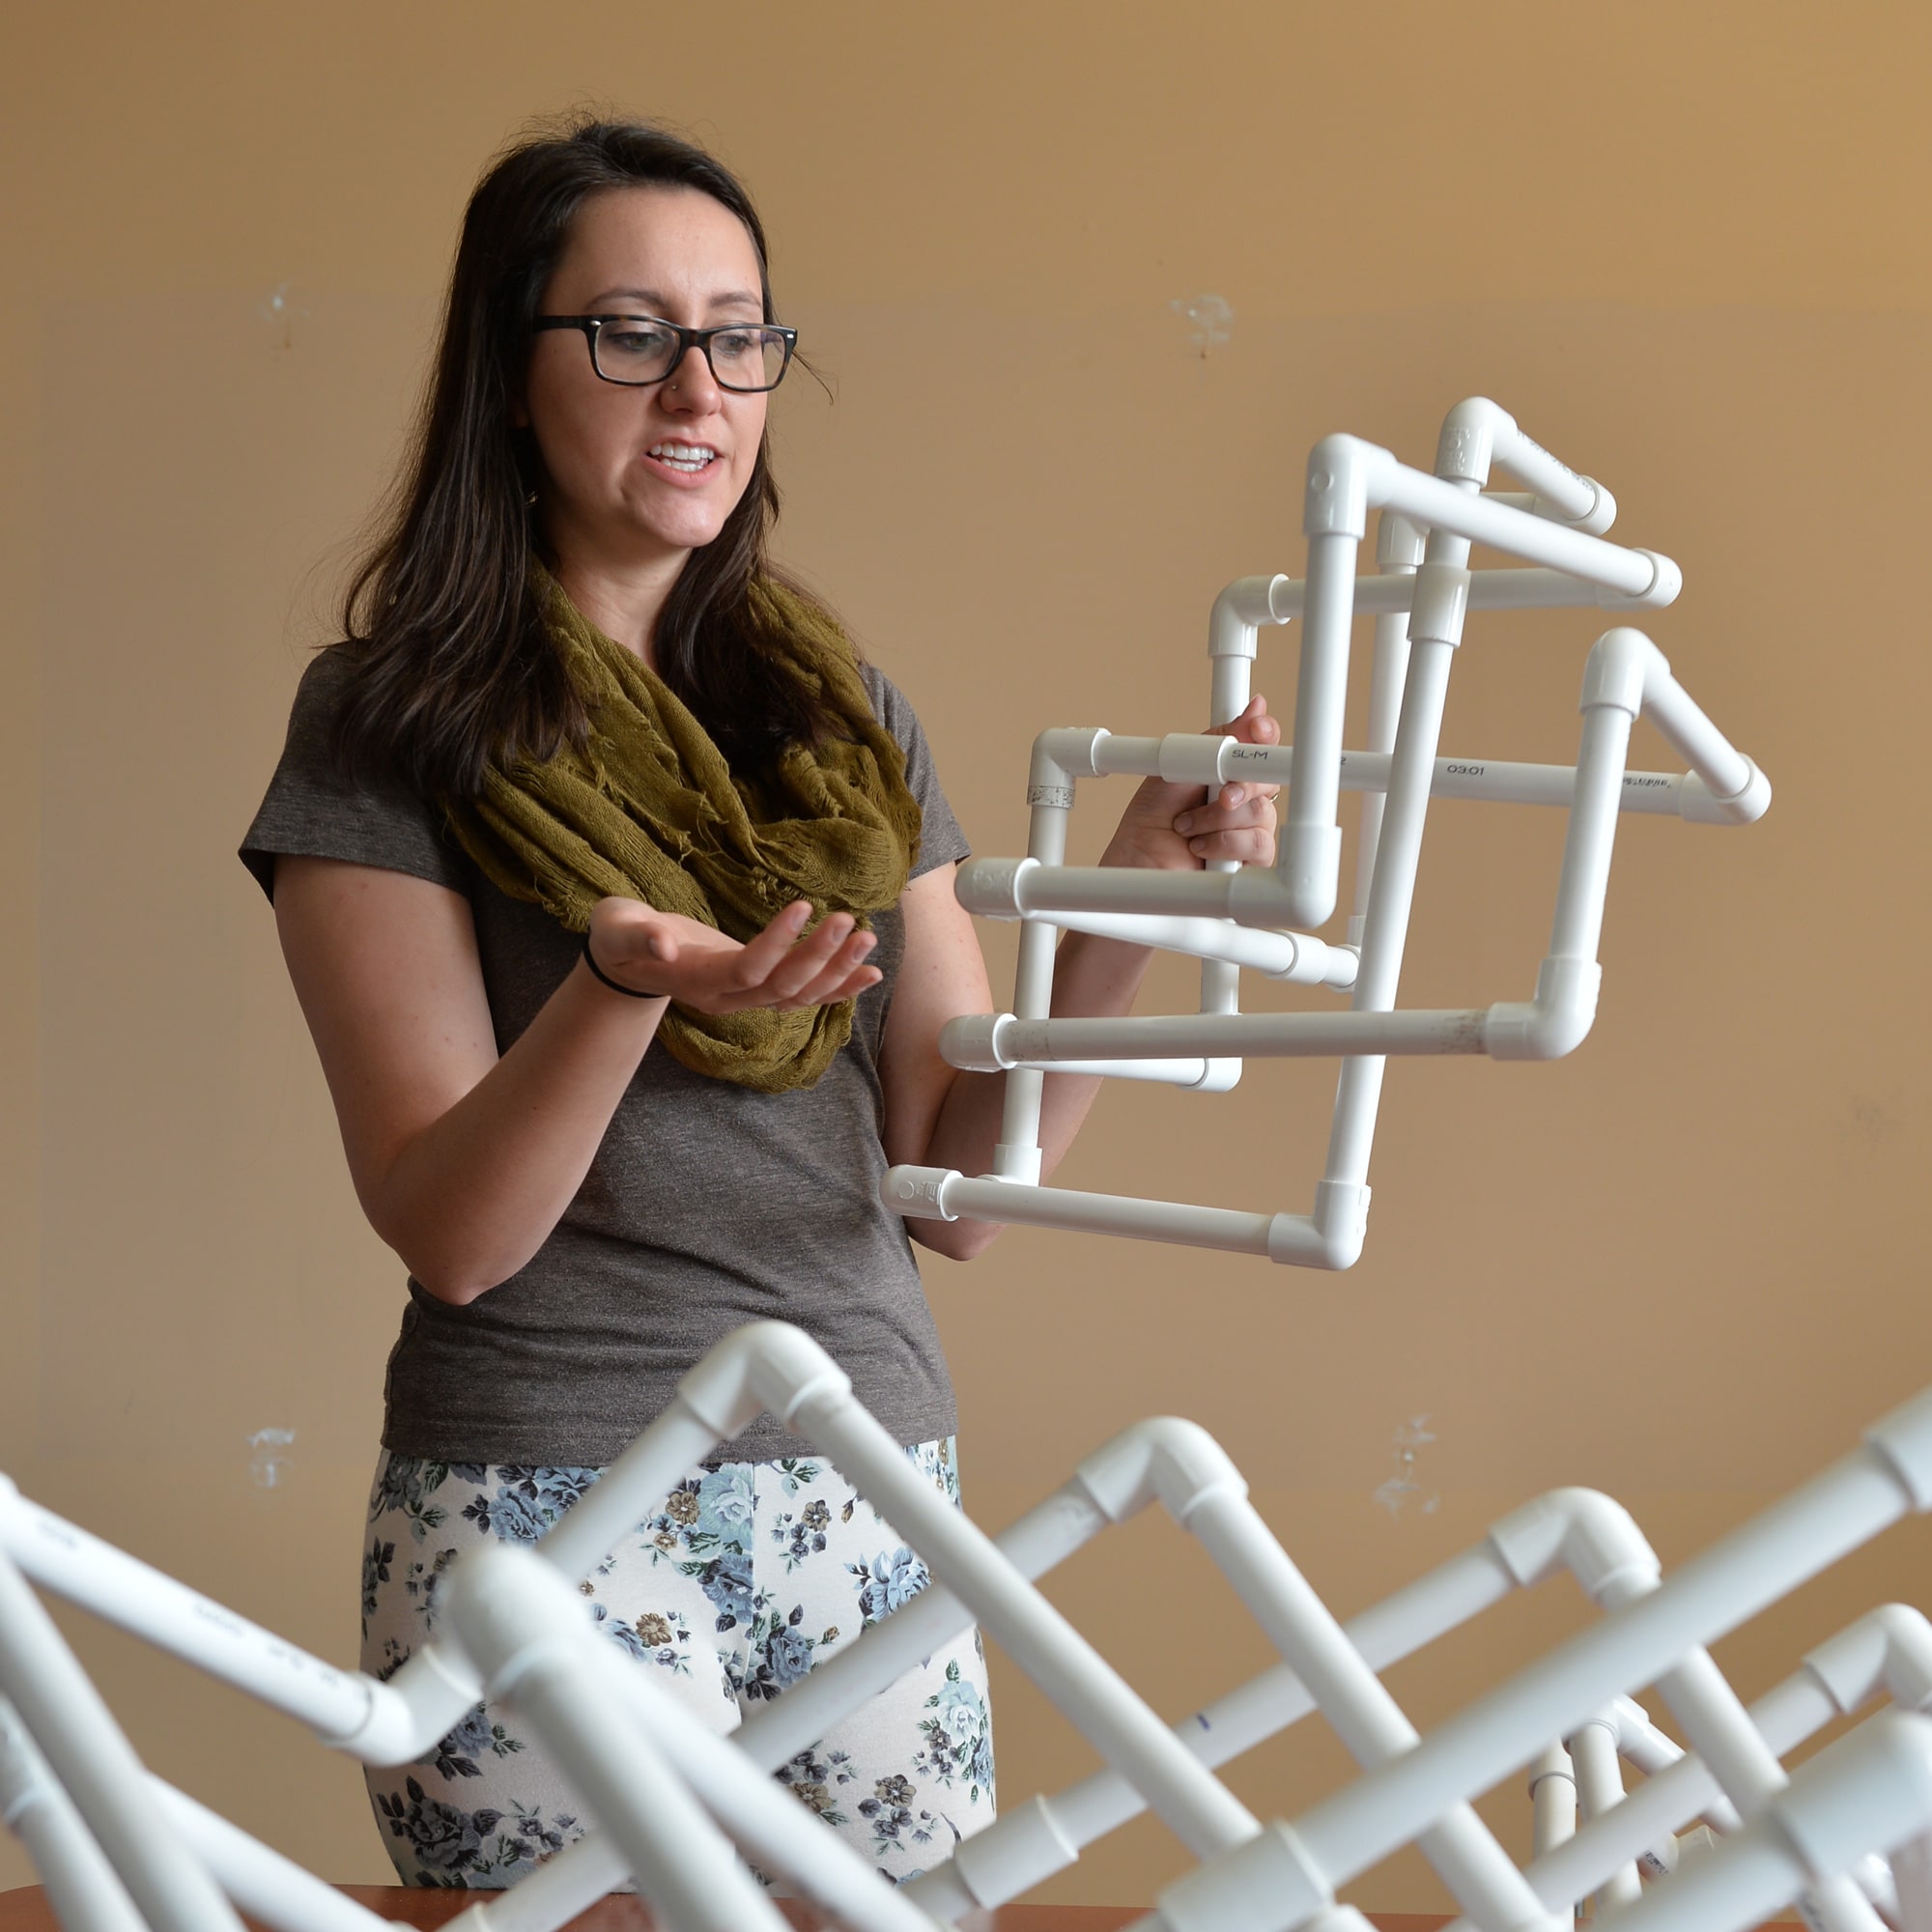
[(701, 968)]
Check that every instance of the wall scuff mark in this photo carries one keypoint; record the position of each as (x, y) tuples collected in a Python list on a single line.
[(1404, 1486), (279, 309), (1209, 319), (270, 1462)]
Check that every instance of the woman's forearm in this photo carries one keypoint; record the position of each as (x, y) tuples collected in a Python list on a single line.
[(469, 1198)]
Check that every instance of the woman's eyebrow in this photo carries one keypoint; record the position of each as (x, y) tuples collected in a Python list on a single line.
[(655, 301)]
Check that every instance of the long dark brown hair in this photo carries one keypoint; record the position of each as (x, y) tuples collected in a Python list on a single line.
[(453, 669)]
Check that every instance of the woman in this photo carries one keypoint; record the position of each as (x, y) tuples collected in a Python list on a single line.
[(617, 894)]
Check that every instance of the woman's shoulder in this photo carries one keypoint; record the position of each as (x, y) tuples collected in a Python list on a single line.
[(318, 694), (891, 706), (313, 807), (941, 840)]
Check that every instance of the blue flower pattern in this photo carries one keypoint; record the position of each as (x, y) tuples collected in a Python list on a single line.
[(728, 1590)]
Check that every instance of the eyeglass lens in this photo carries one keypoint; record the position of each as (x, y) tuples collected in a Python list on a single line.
[(638, 349)]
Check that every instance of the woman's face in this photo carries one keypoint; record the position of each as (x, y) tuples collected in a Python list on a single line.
[(640, 475)]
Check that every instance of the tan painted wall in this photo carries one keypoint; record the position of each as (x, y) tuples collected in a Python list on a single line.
[(1683, 245)]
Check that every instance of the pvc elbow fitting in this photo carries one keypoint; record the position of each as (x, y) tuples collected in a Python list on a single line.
[(919, 1192), (991, 888), (1164, 1457), (970, 1042), (1308, 869), (1615, 671), (1585, 1532), (1257, 897), (1556, 1022), (1889, 1649), (1339, 1226), (763, 1368), (1665, 587), (511, 1612), (1696, 802), (407, 1715), (1903, 1440), (1477, 435), (1060, 755), (1465, 450), (1345, 475), (1242, 606), (1594, 521)]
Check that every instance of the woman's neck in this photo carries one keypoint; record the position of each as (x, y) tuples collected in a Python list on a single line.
[(623, 597)]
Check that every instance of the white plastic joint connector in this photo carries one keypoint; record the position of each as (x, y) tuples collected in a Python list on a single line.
[(1441, 603), (1188, 757), (1696, 802), (1217, 1076), (1021, 1163), (1556, 1022), (1889, 1649), (1257, 897), (1621, 662), (412, 1709), (1666, 585), (1582, 1531), (1308, 867), (509, 1612), (1345, 475), (1241, 606), (1465, 450), (1479, 436), (970, 1042), (1163, 1457), (1904, 1440), (1026, 1850), (1341, 1220), (1400, 543), (763, 1368), (1594, 521), (992, 888), (919, 1191), (1063, 754)]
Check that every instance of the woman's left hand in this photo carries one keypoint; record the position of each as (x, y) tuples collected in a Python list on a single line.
[(1179, 828)]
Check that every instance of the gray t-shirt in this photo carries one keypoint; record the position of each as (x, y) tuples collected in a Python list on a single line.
[(707, 1205)]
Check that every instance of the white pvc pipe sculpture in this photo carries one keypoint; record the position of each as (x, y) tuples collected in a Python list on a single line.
[(684, 1813), (1232, 918), (678, 1806)]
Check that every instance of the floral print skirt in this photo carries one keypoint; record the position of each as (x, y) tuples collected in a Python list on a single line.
[(744, 1578)]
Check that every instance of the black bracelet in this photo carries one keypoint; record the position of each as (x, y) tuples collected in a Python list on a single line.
[(598, 974)]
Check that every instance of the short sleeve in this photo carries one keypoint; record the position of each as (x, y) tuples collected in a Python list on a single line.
[(941, 841), (309, 811)]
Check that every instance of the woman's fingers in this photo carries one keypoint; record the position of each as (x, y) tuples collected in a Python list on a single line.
[(816, 966), (765, 953), (780, 967)]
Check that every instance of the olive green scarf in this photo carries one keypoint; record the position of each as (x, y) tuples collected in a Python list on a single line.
[(650, 809)]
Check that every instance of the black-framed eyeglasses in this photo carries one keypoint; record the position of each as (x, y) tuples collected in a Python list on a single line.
[(637, 350)]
